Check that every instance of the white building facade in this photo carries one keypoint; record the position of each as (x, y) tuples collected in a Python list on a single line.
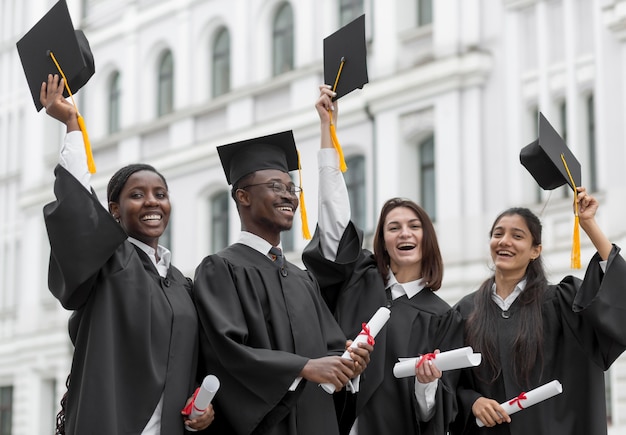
[(455, 88)]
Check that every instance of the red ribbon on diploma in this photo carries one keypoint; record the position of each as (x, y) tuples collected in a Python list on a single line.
[(518, 400), (366, 331), (187, 409), (426, 357)]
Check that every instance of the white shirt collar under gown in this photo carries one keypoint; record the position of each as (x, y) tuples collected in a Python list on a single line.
[(255, 242), (165, 256), (409, 289)]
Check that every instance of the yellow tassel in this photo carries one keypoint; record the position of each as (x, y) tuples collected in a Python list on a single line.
[(337, 145), (575, 258), (91, 165), (305, 222), (333, 132), (576, 263)]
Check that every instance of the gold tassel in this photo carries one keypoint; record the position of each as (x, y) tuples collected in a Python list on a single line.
[(333, 136), (333, 132), (575, 257), (91, 165), (305, 222), (576, 263)]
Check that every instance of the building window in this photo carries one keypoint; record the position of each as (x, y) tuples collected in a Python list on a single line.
[(424, 12), (165, 92), (115, 92), (221, 63), (427, 177), (282, 37), (355, 182), (6, 410), (565, 189), (591, 144), (219, 221), (349, 10)]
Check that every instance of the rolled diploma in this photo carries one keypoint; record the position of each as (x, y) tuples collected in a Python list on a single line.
[(450, 360), (533, 397), (375, 324), (210, 385)]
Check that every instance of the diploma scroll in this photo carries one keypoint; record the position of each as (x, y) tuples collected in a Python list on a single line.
[(450, 360), (369, 331), (202, 400), (524, 400)]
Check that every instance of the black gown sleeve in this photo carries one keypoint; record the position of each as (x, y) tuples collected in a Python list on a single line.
[(78, 246)]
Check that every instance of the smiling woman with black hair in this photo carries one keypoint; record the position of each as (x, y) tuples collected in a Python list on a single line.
[(134, 326), (531, 332)]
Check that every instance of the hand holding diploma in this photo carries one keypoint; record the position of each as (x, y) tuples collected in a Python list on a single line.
[(450, 360), (524, 400), (367, 335), (199, 403)]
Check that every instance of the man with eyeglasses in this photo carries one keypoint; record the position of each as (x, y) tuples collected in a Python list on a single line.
[(265, 331)]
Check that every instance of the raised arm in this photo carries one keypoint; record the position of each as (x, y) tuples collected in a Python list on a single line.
[(587, 208)]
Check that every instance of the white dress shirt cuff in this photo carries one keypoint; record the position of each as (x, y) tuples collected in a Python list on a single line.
[(425, 395)]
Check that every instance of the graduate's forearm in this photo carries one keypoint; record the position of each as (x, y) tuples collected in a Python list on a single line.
[(602, 244)]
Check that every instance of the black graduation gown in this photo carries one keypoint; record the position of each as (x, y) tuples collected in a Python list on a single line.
[(584, 326), (259, 327), (135, 334), (354, 290)]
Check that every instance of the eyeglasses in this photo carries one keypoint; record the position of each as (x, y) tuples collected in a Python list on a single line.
[(277, 187)]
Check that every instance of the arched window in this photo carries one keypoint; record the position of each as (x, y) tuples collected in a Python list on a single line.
[(349, 10), (115, 92), (427, 177), (221, 63), (355, 182), (165, 83), (282, 40), (218, 204)]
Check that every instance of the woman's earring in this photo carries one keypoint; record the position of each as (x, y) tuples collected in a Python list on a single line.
[(117, 219)]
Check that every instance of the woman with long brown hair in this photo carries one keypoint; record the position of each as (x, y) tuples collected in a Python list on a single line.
[(531, 332), (403, 273)]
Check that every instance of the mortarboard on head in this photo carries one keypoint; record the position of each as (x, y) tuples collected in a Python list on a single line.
[(274, 151), (345, 58), (552, 164), (345, 67), (54, 33), (543, 160)]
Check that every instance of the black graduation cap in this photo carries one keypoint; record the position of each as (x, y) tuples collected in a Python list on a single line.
[(275, 151), (54, 33), (347, 46), (543, 160)]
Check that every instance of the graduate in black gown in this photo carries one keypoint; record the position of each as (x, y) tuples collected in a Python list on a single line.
[(134, 326), (530, 332), (403, 273), (265, 330)]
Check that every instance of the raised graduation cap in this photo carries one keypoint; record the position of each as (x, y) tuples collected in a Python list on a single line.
[(345, 58), (345, 68), (274, 151), (54, 33), (552, 164), (542, 158)]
